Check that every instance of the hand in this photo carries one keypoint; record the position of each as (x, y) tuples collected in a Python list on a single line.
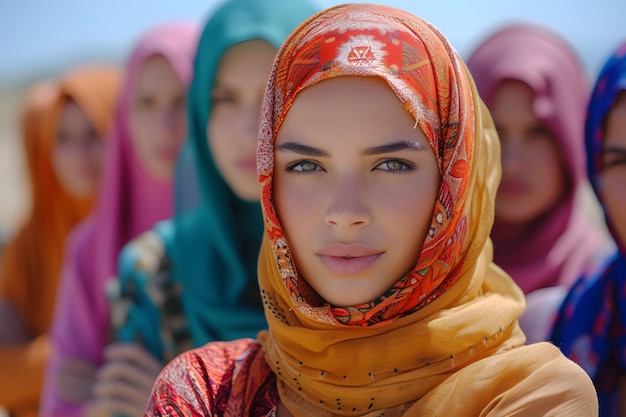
[(123, 384), (75, 379)]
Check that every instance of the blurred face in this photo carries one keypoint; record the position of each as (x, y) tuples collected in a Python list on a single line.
[(77, 152), (355, 185), (234, 120), (614, 176), (533, 179), (157, 117)]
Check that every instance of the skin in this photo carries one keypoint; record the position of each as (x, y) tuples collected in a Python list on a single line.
[(352, 173), (614, 174), (157, 117), (77, 153), (233, 124), (533, 179), (121, 386)]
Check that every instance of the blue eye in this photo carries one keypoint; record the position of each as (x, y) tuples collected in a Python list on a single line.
[(303, 167), (395, 165)]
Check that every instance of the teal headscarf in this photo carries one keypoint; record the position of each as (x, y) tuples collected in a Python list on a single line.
[(216, 238)]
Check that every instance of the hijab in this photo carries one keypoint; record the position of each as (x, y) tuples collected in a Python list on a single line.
[(589, 328), (445, 336), (556, 248), (130, 202), (215, 238), (32, 260)]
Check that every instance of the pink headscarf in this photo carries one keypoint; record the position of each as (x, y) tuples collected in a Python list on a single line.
[(130, 202), (557, 248)]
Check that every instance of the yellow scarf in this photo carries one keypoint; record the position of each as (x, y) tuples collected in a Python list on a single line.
[(447, 338)]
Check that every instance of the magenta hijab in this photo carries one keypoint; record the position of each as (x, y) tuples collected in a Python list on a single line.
[(558, 247), (131, 201)]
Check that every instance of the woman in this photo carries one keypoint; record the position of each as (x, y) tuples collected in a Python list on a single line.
[(147, 133), (591, 321), (63, 126), (378, 166), (543, 234), (193, 279)]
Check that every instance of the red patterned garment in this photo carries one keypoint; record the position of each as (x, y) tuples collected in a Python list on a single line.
[(219, 379)]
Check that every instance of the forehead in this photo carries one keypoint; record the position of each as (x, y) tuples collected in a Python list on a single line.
[(337, 112), (244, 62)]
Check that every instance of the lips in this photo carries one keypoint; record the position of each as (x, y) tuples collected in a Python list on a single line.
[(348, 259)]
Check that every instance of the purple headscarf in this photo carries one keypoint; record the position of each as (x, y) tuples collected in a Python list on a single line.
[(555, 249)]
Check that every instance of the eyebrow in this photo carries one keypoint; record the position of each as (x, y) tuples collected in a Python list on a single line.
[(613, 150), (375, 150)]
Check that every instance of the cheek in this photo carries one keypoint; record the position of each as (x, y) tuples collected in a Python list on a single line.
[(295, 203), (614, 197), (61, 159), (219, 131), (141, 128)]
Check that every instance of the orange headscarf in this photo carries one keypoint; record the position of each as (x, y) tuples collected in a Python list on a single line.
[(444, 340), (31, 262)]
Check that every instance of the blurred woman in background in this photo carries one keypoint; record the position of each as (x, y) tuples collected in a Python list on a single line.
[(193, 279), (543, 235), (147, 133), (591, 322), (63, 127)]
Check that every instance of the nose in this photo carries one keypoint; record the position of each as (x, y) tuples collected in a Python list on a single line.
[(169, 119), (512, 155), (348, 205), (250, 121)]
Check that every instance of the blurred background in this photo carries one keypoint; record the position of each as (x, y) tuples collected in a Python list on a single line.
[(42, 38)]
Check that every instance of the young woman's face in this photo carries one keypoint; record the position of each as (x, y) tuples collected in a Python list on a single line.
[(533, 179), (614, 176), (77, 153), (157, 117), (235, 104), (355, 184)]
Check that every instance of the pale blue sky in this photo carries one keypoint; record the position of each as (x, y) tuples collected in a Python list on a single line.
[(39, 36)]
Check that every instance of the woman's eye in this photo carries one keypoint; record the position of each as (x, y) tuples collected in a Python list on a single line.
[(612, 162), (146, 102), (303, 166), (217, 100), (394, 165)]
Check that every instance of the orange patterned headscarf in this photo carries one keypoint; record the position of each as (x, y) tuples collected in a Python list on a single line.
[(412, 350), (435, 92)]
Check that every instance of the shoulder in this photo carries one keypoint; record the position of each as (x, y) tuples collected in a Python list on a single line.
[(553, 385), (145, 252), (195, 381)]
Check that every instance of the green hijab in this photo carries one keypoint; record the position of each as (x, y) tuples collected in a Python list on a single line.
[(216, 237)]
